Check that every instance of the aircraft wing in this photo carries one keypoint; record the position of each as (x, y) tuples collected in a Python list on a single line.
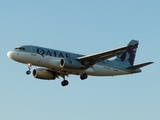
[(90, 60)]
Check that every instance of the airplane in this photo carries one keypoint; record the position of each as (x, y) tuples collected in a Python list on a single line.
[(56, 63)]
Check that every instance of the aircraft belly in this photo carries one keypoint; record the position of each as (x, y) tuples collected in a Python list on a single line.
[(106, 71)]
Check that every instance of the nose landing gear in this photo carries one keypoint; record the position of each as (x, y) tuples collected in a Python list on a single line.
[(29, 71)]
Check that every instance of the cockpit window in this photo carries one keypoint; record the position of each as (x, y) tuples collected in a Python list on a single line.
[(20, 48)]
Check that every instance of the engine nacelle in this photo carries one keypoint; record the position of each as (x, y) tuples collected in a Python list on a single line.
[(43, 74), (71, 64), (55, 62)]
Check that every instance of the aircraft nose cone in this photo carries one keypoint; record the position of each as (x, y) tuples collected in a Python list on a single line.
[(10, 54)]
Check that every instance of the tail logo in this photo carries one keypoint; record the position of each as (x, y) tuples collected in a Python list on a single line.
[(129, 55)]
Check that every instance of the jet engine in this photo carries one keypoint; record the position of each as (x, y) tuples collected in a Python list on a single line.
[(43, 74), (55, 63), (71, 64)]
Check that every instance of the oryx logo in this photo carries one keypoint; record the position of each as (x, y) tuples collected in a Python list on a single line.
[(129, 54)]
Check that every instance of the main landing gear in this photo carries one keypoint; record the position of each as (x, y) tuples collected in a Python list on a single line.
[(64, 82), (83, 76), (29, 71)]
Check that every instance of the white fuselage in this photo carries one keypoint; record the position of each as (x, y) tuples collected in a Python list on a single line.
[(46, 61)]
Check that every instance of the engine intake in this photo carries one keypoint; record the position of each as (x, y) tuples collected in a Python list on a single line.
[(71, 64), (43, 74)]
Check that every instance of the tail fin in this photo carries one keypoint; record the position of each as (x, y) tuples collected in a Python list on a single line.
[(128, 56)]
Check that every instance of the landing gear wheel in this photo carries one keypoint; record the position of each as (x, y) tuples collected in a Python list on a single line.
[(64, 83), (28, 72), (29, 67), (83, 76)]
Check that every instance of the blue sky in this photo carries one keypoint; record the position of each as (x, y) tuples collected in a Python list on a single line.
[(85, 27)]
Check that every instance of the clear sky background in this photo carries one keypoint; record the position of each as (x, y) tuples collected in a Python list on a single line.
[(85, 27)]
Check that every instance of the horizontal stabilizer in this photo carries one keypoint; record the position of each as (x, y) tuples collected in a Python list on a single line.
[(139, 66)]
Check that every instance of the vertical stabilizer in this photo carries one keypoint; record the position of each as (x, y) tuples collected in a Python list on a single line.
[(128, 56)]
